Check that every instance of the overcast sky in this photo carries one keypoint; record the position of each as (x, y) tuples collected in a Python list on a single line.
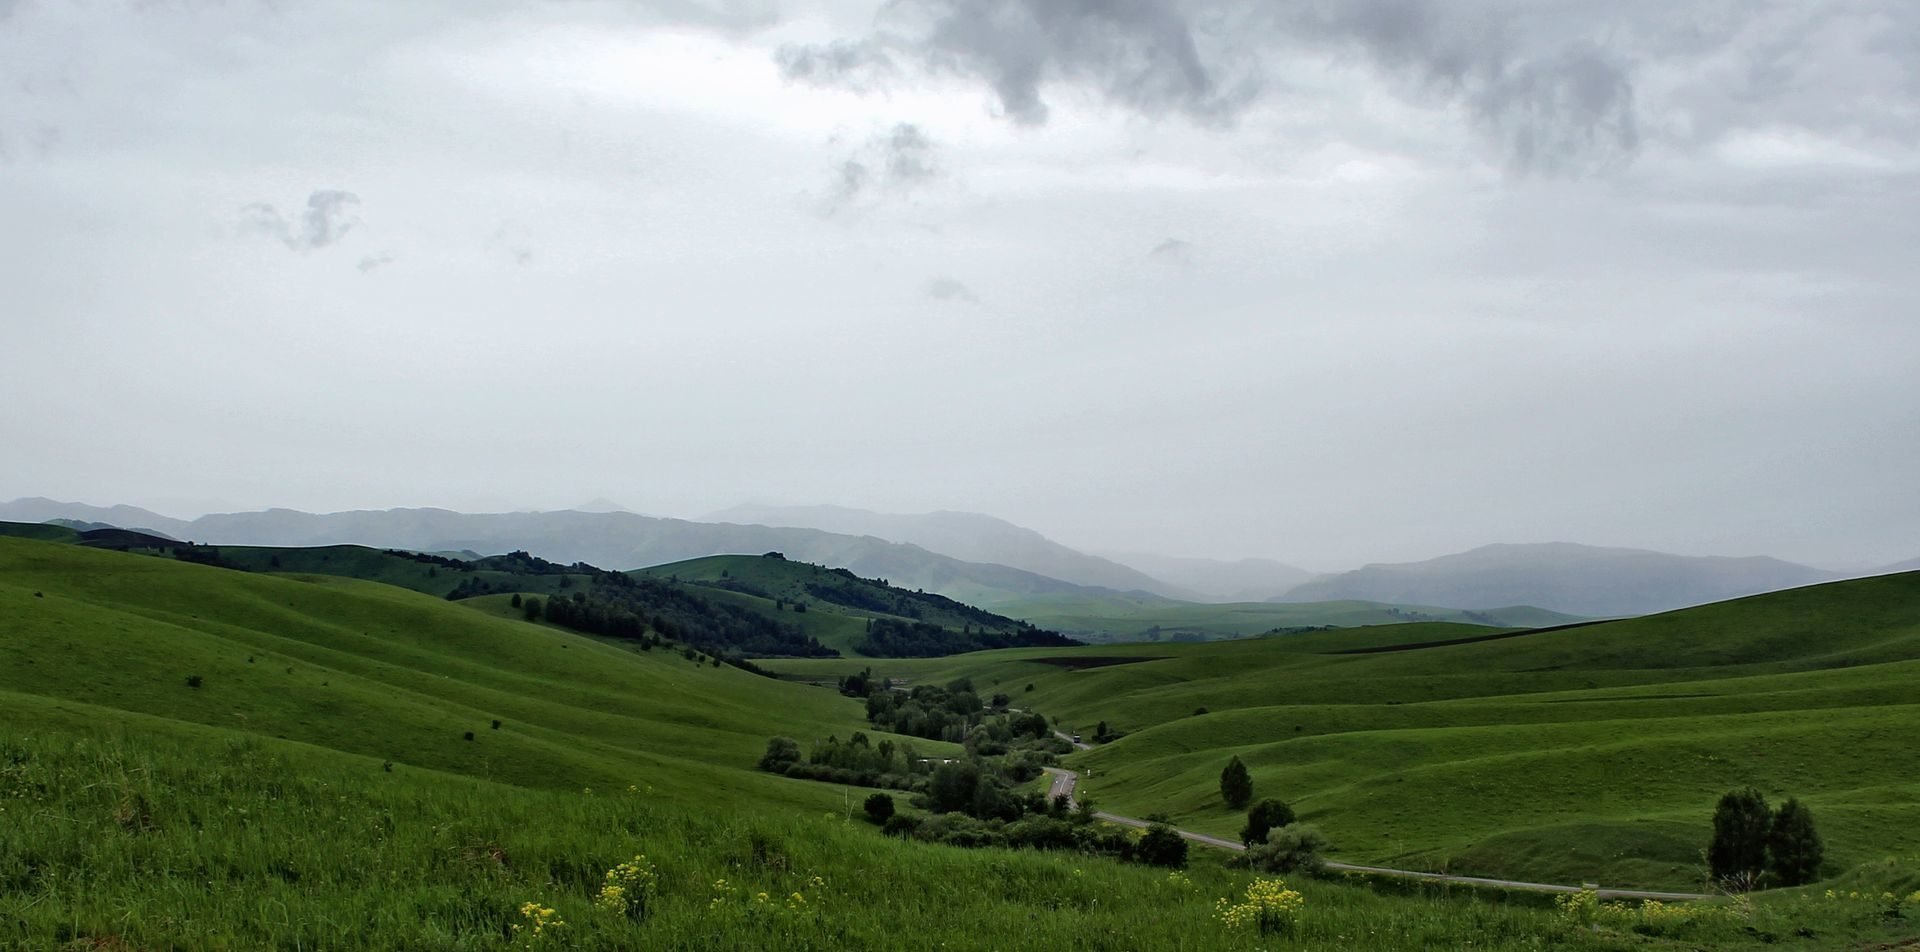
[(1330, 282)]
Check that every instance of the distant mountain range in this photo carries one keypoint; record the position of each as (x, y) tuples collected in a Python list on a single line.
[(1219, 580), (968, 536), (617, 539), (1578, 579), (994, 563)]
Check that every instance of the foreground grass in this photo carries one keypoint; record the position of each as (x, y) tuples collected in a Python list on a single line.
[(197, 838)]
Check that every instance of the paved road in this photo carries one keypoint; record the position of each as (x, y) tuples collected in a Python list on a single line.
[(1063, 735), (1065, 780)]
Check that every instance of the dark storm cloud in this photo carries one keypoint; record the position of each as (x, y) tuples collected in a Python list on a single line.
[(1547, 107), (951, 290), (326, 219), (1140, 54)]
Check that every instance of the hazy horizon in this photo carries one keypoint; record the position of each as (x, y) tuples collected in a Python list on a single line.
[(1325, 284)]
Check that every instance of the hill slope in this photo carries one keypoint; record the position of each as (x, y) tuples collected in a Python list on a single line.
[(1594, 750), (1563, 577)]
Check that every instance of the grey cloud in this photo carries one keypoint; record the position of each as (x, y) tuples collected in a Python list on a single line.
[(372, 263), (1140, 54), (859, 65), (1564, 108), (326, 219), (951, 290), (894, 162), (1173, 251)]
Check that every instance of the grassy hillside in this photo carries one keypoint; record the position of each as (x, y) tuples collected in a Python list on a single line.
[(1594, 751), (1143, 617), (383, 672), (836, 606), (300, 742)]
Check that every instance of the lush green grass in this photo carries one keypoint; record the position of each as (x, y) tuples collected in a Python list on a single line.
[(137, 833), (319, 775), (1588, 753), (1143, 617), (380, 671)]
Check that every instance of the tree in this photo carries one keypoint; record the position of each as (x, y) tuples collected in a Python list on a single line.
[(531, 608), (782, 752), (1794, 850), (951, 789), (1266, 815), (1162, 846), (1738, 851), (879, 808), (516, 599), (1295, 846), (1236, 785)]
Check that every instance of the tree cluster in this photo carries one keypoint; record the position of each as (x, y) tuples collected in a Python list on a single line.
[(1755, 846), (894, 638)]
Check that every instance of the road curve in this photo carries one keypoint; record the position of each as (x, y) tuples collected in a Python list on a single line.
[(1065, 780)]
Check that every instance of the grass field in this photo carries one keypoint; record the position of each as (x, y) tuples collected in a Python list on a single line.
[(1143, 617), (318, 774), (1594, 752)]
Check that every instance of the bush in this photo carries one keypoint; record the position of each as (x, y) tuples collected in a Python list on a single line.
[(1162, 846), (1266, 815), (1738, 852), (1295, 846), (1236, 785), (901, 824), (194, 681), (879, 808), (1794, 850)]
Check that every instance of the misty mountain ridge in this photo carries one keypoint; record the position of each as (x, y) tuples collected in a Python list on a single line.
[(968, 536), (620, 539), (1219, 580), (1564, 577)]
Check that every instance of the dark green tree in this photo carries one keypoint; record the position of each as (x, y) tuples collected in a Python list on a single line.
[(1738, 852), (782, 752), (1162, 846), (879, 808), (1794, 850), (531, 608), (1266, 815), (516, 600), (1236, 785)]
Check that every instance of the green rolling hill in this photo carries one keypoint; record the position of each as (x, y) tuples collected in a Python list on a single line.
[(360, 766), (1592, 750)]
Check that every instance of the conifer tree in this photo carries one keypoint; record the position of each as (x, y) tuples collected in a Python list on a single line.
[(1794, 850), (1236, 785)]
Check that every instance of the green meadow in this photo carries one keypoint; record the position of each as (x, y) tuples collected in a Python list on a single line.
[(1590, 753), (200, 758)]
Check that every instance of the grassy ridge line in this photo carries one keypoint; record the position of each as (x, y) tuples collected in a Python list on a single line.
[(1133, 617), (388, 673)]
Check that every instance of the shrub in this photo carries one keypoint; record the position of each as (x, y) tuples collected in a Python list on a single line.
[(1162, 846), (467, 735), (901, 824), (879, 808), (1265, 815), (1794, 849), (1236, 785), (1295, 846), (1738, 851), (194, 681)]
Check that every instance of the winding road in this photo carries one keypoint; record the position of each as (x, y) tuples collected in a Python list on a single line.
[(1064, 782)]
